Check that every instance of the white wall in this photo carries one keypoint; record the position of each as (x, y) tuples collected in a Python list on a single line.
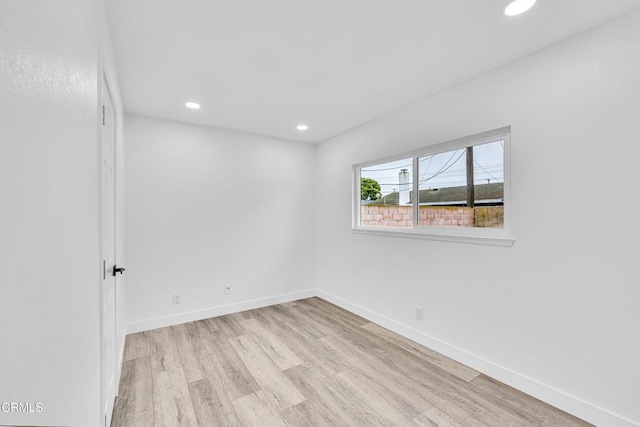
[(556, 314), (207, 207), (50, 206)]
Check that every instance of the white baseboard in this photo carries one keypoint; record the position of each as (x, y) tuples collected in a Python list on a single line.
[(566, 402), (175, 319)]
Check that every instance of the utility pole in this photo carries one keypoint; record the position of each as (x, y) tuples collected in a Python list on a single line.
[(471, 197)]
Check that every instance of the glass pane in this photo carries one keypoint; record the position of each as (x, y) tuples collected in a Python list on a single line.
[(385, 194), (445, 197), (488, 179)]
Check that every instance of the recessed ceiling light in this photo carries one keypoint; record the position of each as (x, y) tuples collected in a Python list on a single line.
[(516, 7), (302, 127), (192, 105)]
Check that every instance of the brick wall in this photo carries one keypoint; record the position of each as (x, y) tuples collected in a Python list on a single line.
[(446, 216), (489, 216), (443, 216), (386, 216)]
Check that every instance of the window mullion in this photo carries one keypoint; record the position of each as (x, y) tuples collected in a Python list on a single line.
[(416, 193)]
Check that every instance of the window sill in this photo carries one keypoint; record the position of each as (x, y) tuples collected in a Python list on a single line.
[(442, 235)]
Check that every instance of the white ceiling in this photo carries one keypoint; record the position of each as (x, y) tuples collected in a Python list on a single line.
[(263, 66)]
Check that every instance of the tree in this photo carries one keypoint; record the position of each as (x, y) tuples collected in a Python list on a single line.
[(369, 189)]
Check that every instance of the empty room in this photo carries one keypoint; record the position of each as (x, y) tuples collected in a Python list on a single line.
[(319, 213)]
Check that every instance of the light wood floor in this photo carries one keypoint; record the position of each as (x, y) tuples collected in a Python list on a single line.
[(308, 363)]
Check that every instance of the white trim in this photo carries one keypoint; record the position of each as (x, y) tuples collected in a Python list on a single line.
[(415, 199), (356, 197), (566, 402), (221, 310), (447, 234), (506, 186), (106, 86), (488, 236)]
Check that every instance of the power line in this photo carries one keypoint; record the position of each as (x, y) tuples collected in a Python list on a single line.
[(446, 173), (441, 171), (427, 167), (453, 153), (489, 173)]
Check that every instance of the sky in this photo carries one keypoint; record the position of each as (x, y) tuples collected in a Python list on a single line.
[(443, 170)]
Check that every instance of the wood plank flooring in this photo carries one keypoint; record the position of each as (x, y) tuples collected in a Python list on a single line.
[(308, 363)]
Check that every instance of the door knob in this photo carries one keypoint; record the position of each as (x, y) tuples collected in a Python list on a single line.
[(118, 270)]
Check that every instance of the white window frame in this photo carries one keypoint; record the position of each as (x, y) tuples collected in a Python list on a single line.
[(486, 236)]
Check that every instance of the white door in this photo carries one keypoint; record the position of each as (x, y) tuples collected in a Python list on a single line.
[(108, 283)]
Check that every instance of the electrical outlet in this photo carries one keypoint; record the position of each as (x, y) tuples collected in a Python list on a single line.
[(419, 313), (175, 299), (227, 289)]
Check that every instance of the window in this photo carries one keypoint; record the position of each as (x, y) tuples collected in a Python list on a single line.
[(385, 194), (457, 191)]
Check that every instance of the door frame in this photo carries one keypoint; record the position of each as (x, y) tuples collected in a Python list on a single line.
[(105, 85)]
